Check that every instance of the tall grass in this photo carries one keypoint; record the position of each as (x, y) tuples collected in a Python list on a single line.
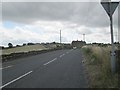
[(98, 67)]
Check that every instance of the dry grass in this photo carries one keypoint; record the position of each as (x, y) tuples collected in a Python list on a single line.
[(97, 62), (23, 49)]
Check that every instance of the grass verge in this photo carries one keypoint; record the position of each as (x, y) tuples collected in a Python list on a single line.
[(97, 66)]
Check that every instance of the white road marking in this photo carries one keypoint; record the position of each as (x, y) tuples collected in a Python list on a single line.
[(16, 79), (67, 52), (62, 55), (50, 61), (6, 67)]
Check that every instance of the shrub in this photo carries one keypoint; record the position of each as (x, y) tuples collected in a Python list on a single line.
[(30, 44), (10, 45), (2, 47), (87, 50), (24, 44), (18, 46)]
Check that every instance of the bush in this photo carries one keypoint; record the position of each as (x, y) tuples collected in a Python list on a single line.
[(24, 44), (30, 44), (59, 47), (18, 46), (2, 47), (10, 45), (87, 50)]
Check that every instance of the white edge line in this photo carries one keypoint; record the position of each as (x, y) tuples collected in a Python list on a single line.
[(16, 79), (50, 61), (6, 67)]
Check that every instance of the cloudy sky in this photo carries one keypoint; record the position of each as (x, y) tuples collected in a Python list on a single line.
[(38, 22)]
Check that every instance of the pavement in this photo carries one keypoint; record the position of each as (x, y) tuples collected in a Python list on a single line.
[(55, 69)]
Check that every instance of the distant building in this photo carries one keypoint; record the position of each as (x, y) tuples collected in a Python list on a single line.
[(78, 44)]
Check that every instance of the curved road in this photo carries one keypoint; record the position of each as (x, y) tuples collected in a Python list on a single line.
[(56, 69)]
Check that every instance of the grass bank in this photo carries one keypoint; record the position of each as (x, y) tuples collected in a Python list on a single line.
[(98, 67), (26, 48), (9, 54)]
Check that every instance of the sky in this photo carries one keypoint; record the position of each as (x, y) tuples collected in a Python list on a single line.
[(37, 21)]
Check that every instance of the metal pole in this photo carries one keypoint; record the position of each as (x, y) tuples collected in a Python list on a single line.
[(113, 64), (83, 37), (60, 36)]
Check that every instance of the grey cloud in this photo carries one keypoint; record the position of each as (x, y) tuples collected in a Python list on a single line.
[(90, 14), (84, 31)]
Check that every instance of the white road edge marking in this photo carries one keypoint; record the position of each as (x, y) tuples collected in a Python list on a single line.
[(6, 67), (15, 79), (50, 61)]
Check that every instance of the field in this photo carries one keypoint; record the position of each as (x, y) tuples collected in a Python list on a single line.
[(26, 48), (98, 67)]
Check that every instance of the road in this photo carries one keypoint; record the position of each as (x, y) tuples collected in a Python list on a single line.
[(56, 69)]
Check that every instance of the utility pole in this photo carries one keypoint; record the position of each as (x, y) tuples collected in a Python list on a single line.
[(60, 36), (84, 37), (110, 8)]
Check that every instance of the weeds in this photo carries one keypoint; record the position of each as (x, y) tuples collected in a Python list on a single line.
[(97, 62)]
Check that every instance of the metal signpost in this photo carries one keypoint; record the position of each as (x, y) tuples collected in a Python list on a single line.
[(110, 8)]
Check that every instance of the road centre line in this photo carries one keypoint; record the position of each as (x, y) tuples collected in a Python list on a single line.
[(6, 67), (67, 52), (50, 61), (62, 55), (16, 79)]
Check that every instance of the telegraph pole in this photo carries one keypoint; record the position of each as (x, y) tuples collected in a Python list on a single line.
[(84, 37), (60, 36)]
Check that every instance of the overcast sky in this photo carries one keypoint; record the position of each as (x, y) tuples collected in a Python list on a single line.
[(38, 22)]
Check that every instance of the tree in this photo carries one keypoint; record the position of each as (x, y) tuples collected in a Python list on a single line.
[(24, 44), (30, 44), (18, 46), (10, 45)]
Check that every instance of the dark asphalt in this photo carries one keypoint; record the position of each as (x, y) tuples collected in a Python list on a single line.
[(56, 69)]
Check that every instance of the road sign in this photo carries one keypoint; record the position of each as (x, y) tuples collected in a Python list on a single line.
[(107, 5), (110, 8)]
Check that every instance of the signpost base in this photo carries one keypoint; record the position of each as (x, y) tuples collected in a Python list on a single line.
[(113, 63)]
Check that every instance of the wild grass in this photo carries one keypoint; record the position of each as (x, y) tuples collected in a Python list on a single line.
[(26, 48), (98, 67)]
